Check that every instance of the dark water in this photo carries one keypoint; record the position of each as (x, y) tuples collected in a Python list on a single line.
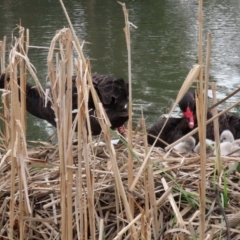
[(164, 46)]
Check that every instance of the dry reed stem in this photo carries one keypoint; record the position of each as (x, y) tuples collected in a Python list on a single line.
[(27, 41), (224, 99), (202, 119), (207, 70), (68, 128), (191, 77), (147, 216), (152, 201), (23, 80), (119, 235), (5, 98), (13, 164), (216, 131), (173, 204), (62, 146), (80, 117), (130, 110), (78, 45), (3, 53), (202, 122)]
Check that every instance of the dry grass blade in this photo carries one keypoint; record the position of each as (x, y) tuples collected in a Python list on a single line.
[(191, 77), (130, 110), (224, 99), (3, 53), (216, 131), (173, 204), (203, 88)]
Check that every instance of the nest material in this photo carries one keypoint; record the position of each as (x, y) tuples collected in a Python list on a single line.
[(166, 196)]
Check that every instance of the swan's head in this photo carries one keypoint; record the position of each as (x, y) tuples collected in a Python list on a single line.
[(187, 105)]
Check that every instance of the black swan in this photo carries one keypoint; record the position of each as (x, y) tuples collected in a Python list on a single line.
[(112, 92), (175, 128)]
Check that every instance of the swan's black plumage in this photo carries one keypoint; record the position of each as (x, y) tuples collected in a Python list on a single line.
[(174, 129), (178, 127), (112, 92)]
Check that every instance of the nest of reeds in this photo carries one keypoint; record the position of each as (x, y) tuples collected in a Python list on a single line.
[(89, 188), (165, 196)]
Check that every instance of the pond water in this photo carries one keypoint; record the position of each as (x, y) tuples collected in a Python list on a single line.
[(164, 44)]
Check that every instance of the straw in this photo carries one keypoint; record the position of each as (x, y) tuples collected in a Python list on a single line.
[(130, 110), (216, 131), (202, 121)]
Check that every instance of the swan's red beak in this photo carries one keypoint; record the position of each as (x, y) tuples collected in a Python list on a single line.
[(188, 114), (121, 130)]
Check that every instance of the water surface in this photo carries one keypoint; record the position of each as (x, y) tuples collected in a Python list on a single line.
[(164, 45)]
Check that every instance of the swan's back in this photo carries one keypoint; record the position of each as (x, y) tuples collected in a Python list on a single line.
[(174, 129)]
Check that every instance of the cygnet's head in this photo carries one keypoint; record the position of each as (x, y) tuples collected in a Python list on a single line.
[(186, 146), (190, 143), (226, 136)]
